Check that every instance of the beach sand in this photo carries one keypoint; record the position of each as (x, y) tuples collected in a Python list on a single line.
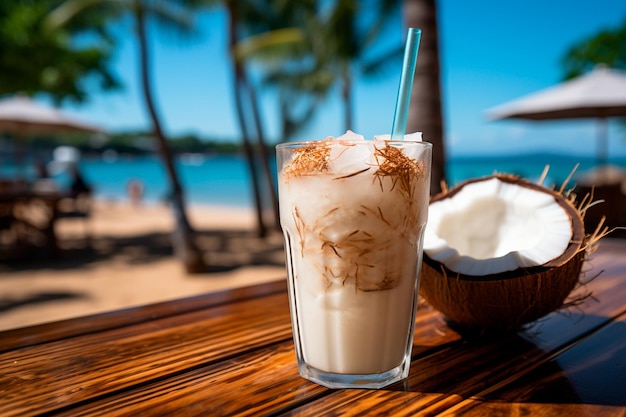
[(128, 261)]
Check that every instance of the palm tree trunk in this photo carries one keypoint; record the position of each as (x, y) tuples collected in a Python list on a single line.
[(425, 113), (239, 87), (184, 236), (346, 95), (262, 148)]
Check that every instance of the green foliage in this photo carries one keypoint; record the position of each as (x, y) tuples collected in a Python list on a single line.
[(136, 142), (141, 142), (607, 47), (308, 48), (36, 59)]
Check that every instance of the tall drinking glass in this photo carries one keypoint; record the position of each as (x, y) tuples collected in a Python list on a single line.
[(353, 213)]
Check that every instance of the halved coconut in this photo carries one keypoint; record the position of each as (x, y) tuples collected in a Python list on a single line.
[(500, 252)]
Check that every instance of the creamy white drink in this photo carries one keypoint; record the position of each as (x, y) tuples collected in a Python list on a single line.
[(353, 214)]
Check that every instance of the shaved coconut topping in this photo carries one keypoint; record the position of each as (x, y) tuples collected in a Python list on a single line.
[(491, 226)]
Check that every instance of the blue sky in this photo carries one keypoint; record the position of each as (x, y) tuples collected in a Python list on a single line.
[(492, 51)]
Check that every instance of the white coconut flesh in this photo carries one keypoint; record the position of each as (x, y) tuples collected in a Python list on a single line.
[(491, 226)]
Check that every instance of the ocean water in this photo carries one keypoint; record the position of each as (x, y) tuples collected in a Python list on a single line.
[(217, 180), (225, 180), (529, 166)]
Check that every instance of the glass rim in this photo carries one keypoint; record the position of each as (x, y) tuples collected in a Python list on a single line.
[(295, 144)]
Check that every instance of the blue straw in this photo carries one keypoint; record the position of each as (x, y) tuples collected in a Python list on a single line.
[(406, 84)]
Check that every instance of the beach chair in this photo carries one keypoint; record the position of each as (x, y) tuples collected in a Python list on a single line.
[(78, 207), (12, 245), (6, 223)]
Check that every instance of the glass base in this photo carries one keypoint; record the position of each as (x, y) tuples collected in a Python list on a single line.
[(368, 381)]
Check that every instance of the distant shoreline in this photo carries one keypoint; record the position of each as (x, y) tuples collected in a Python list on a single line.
[(224, 179)]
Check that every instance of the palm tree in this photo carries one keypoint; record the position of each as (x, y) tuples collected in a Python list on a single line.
[(345, 46), (291, 68), (330, 48), (34, 59), (170, 14), (273, 35), (248, 23), (605, 47), (425, 113), (242, 90), (303, 52), (184, 243)]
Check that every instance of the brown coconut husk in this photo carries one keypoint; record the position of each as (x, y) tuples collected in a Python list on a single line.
[(498, 305), (505, 302)]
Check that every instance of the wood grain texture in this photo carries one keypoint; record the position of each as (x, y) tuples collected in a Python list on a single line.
[(591, 372), (231, 353), (95, 364), (48, 332), (463, 368), (253, 384)]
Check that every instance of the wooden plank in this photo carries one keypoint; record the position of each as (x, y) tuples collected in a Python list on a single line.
[(591, 372), (495, 409), (239, 357), (56, 374), (267, 378), (450, 375), (248, 385), (446, 370), (33, 335)]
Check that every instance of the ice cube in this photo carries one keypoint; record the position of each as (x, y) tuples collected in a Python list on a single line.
[(416, 136), (347, 159), (350, 135)]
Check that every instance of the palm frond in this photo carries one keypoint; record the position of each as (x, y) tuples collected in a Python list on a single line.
[(270, 46), (388, 60), (68, 10)]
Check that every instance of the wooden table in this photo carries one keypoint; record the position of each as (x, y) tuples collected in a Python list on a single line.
[(231, 353)]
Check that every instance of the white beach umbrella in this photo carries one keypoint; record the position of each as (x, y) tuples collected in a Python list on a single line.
[(21, 116), (598, 94)]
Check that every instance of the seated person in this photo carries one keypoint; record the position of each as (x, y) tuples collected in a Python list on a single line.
[(78, 185), (78, 201)]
